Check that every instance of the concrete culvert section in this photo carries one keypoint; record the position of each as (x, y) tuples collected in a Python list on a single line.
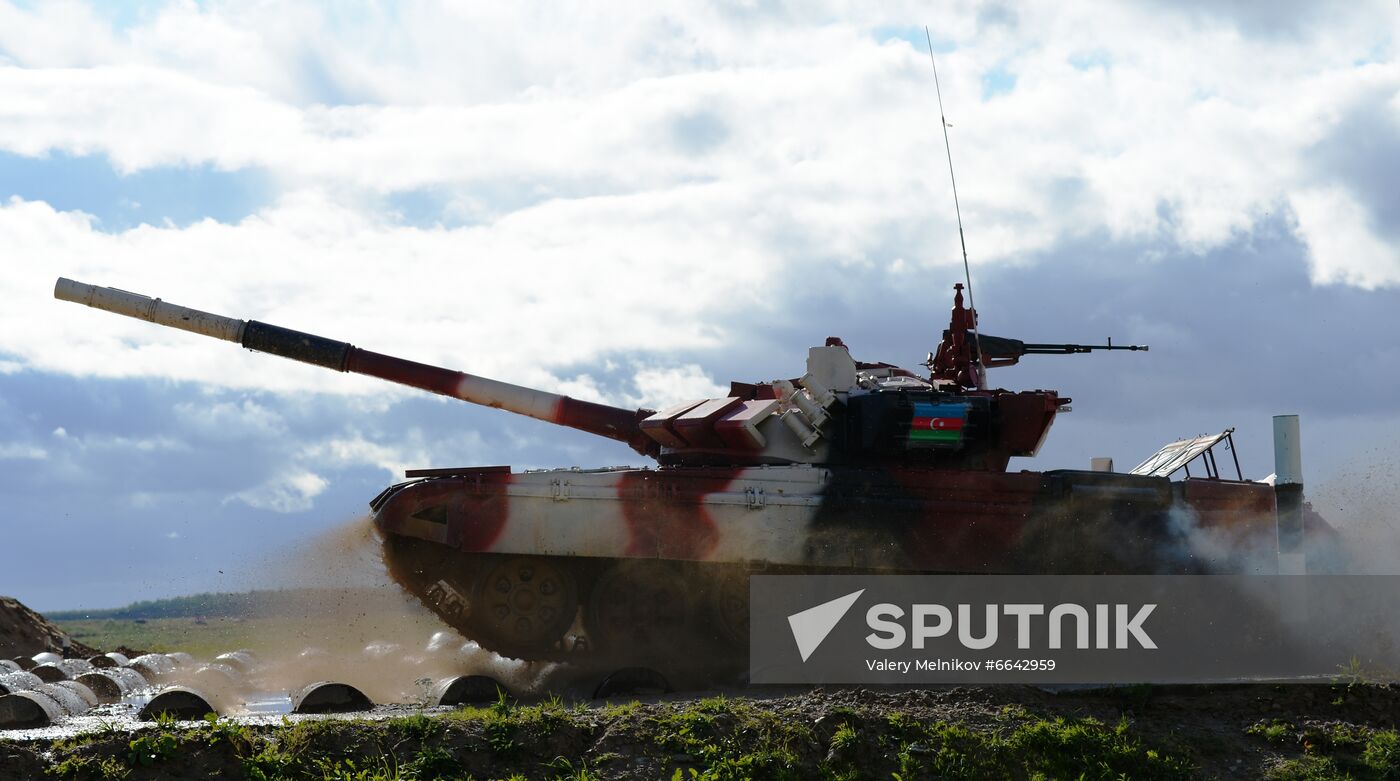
[(50, 673), (120, 659), (18, 682), (25, 663), (29, 709), (632, 681), (69, 700), (102, 662), (179, 702), (153, 667), (467, 690), (105, 687), (46, 657), (82, 691), (132, 680), (9, 666), (75, 667), (329, 697), (180, 658)]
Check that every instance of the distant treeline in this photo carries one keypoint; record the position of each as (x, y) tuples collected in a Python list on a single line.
[(227, 605)]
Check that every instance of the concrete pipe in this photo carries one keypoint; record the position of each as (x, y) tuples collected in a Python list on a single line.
[(28, 710), (107, 688), (631, 681), (71, 702), (329, 697), (75, 667), (133, 680), (82, 690), (180, 702), (51, 673), (19, 682), (467, 690), (153, 667)]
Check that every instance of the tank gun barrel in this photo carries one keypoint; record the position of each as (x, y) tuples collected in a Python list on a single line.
[(611, 422)]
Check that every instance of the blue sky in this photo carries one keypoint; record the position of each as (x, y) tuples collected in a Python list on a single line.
[(639, 206), (169, 195)]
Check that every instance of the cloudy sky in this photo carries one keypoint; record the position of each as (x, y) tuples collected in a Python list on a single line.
[(641, 203)]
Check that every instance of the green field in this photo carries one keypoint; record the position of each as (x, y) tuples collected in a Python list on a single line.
[(275, 622), (201, 637)]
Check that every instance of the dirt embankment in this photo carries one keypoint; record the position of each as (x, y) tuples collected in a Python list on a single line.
[(25, 633)]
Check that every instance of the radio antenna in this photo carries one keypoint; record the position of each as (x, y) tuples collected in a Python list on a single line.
[(967, 270)]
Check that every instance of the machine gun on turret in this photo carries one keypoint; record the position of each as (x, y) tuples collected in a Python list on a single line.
[(965, 354)]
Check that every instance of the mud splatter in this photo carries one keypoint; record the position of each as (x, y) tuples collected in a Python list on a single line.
[(341, 616)]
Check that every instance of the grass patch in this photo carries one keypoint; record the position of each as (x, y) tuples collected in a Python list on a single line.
[(715, 739), (1334, 750)]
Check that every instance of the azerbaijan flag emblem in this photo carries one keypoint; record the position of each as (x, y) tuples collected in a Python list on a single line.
[(938, 422)]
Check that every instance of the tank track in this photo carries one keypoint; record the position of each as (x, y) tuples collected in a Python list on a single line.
[(622, 612)]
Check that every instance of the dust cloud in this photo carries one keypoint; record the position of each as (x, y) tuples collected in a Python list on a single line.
[(1353, 531), (337, 616), (1364, 507)]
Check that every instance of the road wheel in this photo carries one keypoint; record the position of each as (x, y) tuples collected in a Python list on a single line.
[(728, 606), (523, 606), (638, 608)]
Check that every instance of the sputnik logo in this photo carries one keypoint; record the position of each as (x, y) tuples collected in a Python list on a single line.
[(811, 626)]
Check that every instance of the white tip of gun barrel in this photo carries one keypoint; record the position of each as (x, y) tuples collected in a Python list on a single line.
[(152, 310), (67, 290)]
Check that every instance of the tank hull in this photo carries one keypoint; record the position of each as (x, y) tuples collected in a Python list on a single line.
[(681, 541)]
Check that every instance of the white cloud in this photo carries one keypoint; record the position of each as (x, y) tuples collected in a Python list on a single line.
[(641, 183), (285, 493), (355, 450), (226, 419), (1343, 247), (21, 452), (658, 388)]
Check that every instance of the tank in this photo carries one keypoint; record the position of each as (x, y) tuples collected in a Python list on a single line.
[(854, 467)]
